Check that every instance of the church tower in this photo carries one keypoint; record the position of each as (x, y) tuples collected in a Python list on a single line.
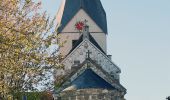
[(89, 73)]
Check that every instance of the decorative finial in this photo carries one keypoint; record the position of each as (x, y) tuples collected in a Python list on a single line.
[(85, 22), (85, 30)]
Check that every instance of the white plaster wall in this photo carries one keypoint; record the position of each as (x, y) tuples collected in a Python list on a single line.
[(60, 12), (101, 40), (96, 32), (67, 38)]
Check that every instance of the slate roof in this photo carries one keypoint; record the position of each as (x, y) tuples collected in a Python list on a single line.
[(91, 39), (89, 79), (93, 8)]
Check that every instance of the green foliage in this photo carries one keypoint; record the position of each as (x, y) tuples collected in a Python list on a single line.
[(34, 96), (29, 95), (25, 38)]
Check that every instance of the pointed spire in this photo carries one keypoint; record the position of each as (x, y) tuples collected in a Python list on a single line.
[(81, 4)]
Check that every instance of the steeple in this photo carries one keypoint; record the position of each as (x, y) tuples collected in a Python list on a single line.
[(69, 8), (89, 71)]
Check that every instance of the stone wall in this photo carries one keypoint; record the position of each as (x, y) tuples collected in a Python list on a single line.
[(91, 94)]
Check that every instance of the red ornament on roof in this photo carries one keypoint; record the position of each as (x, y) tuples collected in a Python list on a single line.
[(79, 26)]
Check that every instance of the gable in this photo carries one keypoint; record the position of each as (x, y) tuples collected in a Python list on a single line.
[(79, 54), (89, 75), (93, 8), (81, 15)]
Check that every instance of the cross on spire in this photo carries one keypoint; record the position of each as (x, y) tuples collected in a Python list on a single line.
[(85, 21), (86, 30), (88, 54), (86, 27)]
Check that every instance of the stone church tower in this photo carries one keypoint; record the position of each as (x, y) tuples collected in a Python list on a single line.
[(89, 73)]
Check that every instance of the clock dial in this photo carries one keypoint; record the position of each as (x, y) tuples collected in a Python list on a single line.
[(79, 26)]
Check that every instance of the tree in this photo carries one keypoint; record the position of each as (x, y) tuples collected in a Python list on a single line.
[(26, 36), (46, 96)]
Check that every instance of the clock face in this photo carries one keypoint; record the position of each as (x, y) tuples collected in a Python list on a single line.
[(79, 26)]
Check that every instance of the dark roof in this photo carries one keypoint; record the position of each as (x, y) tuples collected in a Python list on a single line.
[(91, 39), (93, 8), (89, 79), (73, 72)]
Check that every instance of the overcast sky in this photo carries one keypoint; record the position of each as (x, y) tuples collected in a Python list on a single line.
[(139, 41)]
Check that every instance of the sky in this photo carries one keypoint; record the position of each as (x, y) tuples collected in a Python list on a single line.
[(139, 42)]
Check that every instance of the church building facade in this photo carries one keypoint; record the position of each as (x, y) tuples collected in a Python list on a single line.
[(89, 73)]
